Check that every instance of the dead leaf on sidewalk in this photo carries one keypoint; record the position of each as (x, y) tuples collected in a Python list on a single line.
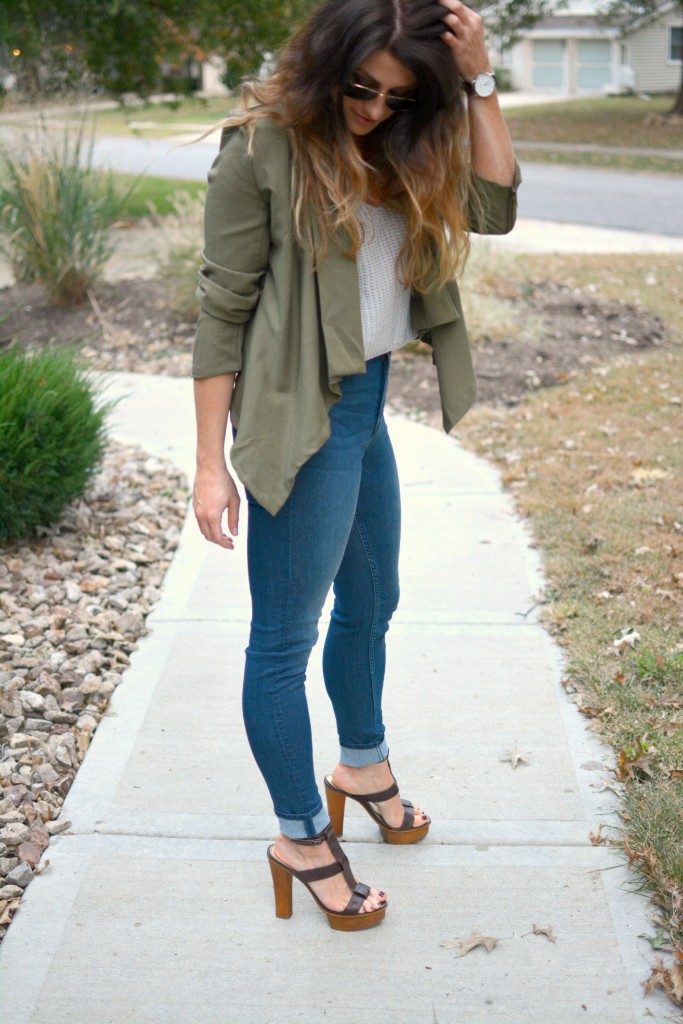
[(515, 756), (597, 838), (548, 932), (464, 946)]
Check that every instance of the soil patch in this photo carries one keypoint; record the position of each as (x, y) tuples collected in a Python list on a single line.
[(130, 325)]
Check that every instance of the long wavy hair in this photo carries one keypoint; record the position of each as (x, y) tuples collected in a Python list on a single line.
[(416, 161)]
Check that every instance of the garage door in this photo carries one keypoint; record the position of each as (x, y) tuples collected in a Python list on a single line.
[(595, 68), (550, 64)]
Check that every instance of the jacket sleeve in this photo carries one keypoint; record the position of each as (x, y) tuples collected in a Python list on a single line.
[(493, 207), (234, 259)]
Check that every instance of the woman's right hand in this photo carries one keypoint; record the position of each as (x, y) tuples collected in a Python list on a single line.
[(215, 491)]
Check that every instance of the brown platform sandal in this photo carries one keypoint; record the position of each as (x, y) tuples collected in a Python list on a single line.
[(406, 832), (348, 920)]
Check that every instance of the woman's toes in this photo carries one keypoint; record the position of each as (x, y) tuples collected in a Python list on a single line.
[(369, 905)]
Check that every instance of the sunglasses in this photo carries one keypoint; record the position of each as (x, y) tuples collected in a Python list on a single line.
[(355, 90)]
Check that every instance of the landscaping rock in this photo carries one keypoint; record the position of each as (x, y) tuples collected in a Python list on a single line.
[(72, 606)]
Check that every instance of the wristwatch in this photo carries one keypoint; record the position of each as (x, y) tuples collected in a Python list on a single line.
[(483, 85)]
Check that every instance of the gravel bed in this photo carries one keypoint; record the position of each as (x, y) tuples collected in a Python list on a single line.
[(73, 604)]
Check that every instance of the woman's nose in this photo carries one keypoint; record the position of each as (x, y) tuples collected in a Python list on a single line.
[(376, 108)]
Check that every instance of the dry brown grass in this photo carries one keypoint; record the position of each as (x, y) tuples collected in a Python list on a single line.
[(613, 121), (597, 467)]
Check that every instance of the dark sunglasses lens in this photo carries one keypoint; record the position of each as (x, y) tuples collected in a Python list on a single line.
[(355, 91), (400, 103)]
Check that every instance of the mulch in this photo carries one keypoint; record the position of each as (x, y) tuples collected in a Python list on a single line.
[(130, 325)]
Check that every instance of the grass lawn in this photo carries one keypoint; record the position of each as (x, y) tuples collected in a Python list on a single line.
[(611, 121), (145, 195), (627, 121), (595, 467), (152, 119), (610, 161)]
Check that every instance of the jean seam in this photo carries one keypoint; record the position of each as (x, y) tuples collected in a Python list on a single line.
[(375, 590), (277, 715), (379, 419)]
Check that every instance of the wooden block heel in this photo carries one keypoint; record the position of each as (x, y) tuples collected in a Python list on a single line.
[(352, 918), (336, 802), (282, 888), (407, 832)]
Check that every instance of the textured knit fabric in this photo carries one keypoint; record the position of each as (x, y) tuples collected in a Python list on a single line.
[(384, 300)]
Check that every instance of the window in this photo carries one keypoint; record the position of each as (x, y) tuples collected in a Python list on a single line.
[(676, 43)]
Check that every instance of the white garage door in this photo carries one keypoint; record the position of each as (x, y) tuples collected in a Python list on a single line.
[(594, 64), (550, 64)]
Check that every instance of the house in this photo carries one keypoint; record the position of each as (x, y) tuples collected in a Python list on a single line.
[(654, 49), (572, 50)]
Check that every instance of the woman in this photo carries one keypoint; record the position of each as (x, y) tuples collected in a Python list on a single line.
[(337, 212)]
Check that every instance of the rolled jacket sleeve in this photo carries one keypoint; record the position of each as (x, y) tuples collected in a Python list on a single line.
[(494, 210), (234, 259)]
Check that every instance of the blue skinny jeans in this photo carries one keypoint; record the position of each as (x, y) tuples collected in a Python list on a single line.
[(339, 527)]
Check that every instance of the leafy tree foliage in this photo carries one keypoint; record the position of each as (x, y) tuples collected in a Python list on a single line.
[(124, 45), (247, 32), (504, 21)]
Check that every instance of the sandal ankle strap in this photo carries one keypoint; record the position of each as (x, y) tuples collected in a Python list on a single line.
[(313, 841), (342, 861)]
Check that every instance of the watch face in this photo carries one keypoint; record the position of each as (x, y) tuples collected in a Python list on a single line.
[(484, 84)]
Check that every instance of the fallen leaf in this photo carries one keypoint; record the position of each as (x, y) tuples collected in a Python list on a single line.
[(641, 759), (595, 766), (464, 946), (660, 940), (647, 857), (629, 638), (597, 838), (613, 787), (668, 978), (515, 757), (548, 932)]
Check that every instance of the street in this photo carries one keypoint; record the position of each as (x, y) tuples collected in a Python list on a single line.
[(574, 195)]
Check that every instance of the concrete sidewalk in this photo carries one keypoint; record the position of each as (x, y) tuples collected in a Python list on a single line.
[(157, 904)]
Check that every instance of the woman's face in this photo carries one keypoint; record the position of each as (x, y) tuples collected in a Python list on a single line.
[(383, 73)]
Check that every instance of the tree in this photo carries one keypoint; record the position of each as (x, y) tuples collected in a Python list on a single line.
[(630, 12), (505, 21), (123, 45), (247, 32), (118, 44)]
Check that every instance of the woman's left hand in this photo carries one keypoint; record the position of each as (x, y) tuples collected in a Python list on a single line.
[(465, 36)]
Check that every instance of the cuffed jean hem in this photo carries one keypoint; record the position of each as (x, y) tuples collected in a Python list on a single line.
[(304, 828), (354, 758)]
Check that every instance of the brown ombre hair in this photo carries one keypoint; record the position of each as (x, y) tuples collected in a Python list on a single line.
[(416, 161)]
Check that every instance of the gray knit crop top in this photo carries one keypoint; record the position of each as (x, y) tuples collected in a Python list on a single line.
[(384, 300)]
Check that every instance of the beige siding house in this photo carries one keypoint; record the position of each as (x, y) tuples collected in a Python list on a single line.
[(573, 51), (655, 51)]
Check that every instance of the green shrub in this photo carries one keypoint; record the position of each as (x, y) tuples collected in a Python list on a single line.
[(52, 437), (55, 212)]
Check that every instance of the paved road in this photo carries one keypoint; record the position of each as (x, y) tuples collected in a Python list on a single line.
[(608, 199), (572, 195)]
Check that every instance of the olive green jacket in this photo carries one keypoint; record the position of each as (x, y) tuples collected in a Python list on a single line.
[(291, 333)]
